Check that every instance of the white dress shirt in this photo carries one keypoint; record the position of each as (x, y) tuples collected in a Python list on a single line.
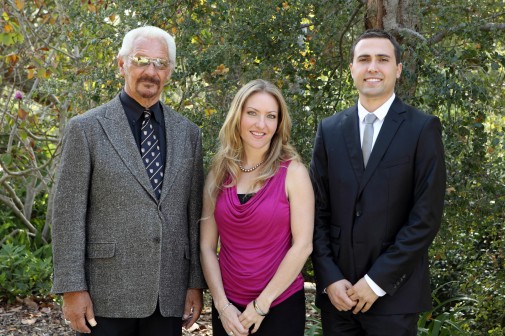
[(380, 113)]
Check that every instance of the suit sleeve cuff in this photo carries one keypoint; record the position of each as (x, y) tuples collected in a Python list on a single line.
[(377, 290)]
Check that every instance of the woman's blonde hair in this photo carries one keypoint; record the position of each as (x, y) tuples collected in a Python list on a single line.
[(225, 165)]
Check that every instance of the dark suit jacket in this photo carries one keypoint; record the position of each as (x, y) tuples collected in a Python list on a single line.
[(111, 236), (380, 220)]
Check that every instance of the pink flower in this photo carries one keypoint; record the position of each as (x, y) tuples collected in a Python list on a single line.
[(18, 95)]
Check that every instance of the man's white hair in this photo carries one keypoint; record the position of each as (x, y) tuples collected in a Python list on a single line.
[(149, 32)]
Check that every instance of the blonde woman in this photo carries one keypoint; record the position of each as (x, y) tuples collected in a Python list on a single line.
[(259, 206)]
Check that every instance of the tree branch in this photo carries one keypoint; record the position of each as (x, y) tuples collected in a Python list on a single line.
[(17, 201), (12, 234), (407, 31), (443, 34), (492, 26), (46, 137), (19, 214), (23, 172)]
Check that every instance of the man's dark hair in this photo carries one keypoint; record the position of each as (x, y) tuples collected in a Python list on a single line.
[(378, 33)]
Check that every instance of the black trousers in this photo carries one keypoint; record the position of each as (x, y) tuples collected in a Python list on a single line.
[(154, 325), (285, 319), (345, 323)]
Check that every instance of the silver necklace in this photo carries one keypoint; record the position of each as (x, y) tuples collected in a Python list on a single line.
[(248, 170)]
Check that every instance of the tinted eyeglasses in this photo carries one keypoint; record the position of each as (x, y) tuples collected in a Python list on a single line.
[(144, 61)]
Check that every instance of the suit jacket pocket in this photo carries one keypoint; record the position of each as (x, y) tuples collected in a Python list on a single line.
[(396, 162), (100, 250)]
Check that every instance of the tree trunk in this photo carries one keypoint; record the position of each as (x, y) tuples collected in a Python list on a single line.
[(402, 19)]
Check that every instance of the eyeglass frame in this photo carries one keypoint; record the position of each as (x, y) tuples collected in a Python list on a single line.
[(155, 61)]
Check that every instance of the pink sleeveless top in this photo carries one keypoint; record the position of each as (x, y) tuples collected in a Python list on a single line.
[(254, 237)]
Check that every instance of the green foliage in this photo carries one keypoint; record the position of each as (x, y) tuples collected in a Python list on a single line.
[(24, 273), (313, 326), (448, 318)]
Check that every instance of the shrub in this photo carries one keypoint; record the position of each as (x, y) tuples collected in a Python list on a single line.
[(24, 273)]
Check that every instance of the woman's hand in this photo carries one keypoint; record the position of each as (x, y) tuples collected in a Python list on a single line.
[(251, 317), (229, 317)]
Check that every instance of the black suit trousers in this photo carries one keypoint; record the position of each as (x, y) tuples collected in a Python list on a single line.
[(154, 325), (345, 323)]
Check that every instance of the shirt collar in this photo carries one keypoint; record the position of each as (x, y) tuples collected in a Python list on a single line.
[(134, 110), (380, 113)]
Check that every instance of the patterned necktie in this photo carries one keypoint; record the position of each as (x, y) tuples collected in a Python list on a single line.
[(151, 154), (366, 147)]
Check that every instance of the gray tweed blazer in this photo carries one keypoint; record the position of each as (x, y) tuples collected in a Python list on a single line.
[(111, 236)]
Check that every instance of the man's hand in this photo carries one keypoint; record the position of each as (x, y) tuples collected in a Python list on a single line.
[(77, 309), (337, 292), (363, 294), (193, 307)]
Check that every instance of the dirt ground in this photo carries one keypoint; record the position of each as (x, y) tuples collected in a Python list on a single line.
[(43, 317)]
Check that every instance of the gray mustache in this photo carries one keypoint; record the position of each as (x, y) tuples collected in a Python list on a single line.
[(150, 80)]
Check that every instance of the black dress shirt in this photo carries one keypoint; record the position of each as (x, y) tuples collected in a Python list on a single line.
[(134, 112)]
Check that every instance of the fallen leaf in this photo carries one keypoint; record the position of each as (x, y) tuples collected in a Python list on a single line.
[(29, 301), (29, 321)]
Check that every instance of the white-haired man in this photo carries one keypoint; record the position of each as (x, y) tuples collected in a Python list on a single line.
[(127, 205)]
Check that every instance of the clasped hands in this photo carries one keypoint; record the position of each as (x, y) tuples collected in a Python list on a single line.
[(344, 296), (239, 324)]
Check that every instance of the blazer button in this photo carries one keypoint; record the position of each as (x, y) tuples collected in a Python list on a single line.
[(156, 240), (358, 213)]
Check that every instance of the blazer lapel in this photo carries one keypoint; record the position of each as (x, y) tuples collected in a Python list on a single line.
[(175, 143), (392, 122), (115, 125), (350, 128)]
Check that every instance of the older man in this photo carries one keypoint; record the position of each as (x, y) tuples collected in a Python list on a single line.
[(127, 205)]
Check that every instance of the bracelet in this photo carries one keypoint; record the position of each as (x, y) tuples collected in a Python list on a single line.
[(258, 310), (225, 306)]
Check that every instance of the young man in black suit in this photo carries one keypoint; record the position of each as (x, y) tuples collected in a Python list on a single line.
[(379, 175)]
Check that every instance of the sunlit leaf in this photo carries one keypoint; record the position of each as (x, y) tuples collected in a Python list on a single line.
[(20, 4), (7, 158), (8, 28), (43, 73), (91, 8), (220, 70), (209, 112), (30, 73), (22, 114), (6, 39), (12, 58)]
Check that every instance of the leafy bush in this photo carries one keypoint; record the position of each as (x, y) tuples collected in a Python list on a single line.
[(314, 326), (24, 273), (448, 318)]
